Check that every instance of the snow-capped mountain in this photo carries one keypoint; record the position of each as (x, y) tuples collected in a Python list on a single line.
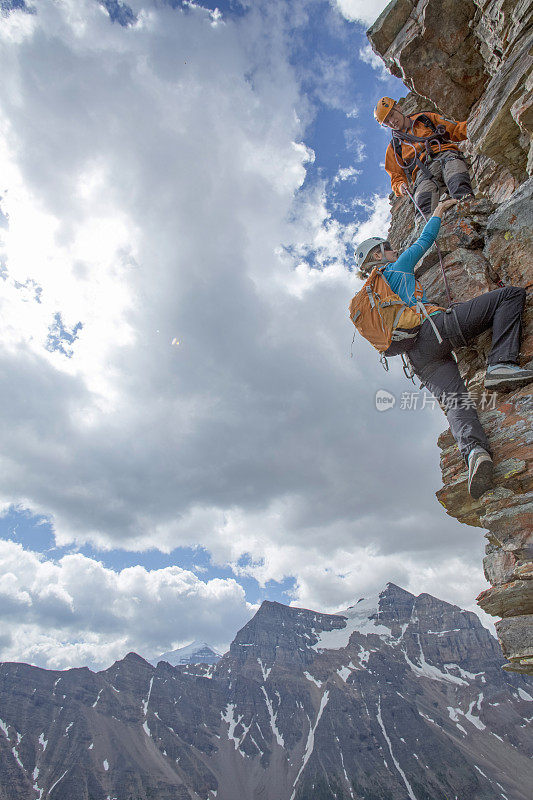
[(194, 653), (397, 697)]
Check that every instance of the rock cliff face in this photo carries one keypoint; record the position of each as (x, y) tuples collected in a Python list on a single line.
[(398, 696), (473, 60)]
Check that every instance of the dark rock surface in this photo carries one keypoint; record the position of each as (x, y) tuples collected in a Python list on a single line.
[(397, 697), (432, 47), (481, 70)]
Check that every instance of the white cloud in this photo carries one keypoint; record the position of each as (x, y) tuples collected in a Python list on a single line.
[(367, 55), (157, 194), (355, 573), (331, 82), (355, 144), (377, 221), (52, 614), (215, 14), (364, 11), (161, 219), (347, 174)]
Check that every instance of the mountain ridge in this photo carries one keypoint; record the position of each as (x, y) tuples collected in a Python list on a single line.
[(404, 699)]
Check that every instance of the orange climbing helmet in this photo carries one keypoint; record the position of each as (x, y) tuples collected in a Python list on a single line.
[(384, 106)]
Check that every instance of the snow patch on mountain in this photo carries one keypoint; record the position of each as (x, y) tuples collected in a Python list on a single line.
[(314, 680), (196, 652), (345, 672), (145, 702), (426, 670), (273, 718), (265, 670), (233, 721), (50, 790), (361, 618), (310, 744), (395, 760)]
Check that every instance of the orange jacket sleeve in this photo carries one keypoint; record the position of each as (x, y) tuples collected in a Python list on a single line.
[(397, 175), (457, 130)]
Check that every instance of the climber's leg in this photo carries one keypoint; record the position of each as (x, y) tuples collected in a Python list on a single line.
[(427, 191), (446, 384), (455, 173), (438, 371), (500, 309)]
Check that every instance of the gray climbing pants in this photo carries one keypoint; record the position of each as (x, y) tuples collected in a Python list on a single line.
[(437, 370), (449, 171)]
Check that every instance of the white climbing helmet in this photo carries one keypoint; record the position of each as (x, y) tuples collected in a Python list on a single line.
[(362, 250)]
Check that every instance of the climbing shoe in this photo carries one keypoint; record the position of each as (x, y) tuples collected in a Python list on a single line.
[(505, 377), (480, 468)]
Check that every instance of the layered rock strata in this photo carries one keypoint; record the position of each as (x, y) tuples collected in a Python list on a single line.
[(474, 60)]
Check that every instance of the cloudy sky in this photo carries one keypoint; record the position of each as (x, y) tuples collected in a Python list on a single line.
[(184, 432)]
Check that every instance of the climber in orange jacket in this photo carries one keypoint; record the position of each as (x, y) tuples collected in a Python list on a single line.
[(423, 150)]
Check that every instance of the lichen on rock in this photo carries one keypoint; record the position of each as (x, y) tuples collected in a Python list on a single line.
[(472, 60)]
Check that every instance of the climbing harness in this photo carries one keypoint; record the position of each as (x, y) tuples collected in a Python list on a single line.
[(439, 137)]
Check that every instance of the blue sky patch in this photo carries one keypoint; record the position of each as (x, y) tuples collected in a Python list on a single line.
[(60, 338), (7, 6), (119, 12), (36, 533)]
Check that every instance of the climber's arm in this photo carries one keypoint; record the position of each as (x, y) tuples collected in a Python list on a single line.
[(406, 262), (396, 173)]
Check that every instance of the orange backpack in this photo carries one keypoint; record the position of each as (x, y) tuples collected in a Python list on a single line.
[(382, 317)]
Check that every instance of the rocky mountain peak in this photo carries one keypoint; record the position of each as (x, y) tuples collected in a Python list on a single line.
[(196, 652), (131, 663), (397, 696)]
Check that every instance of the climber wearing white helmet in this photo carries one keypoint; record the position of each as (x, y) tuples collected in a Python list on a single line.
[(394, 314)]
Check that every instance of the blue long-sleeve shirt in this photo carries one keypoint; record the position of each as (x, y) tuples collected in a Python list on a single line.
[(400, 274)]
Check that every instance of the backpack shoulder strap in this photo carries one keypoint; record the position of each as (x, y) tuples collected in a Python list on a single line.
[(374, 274), (423, 117), (396, 146)]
